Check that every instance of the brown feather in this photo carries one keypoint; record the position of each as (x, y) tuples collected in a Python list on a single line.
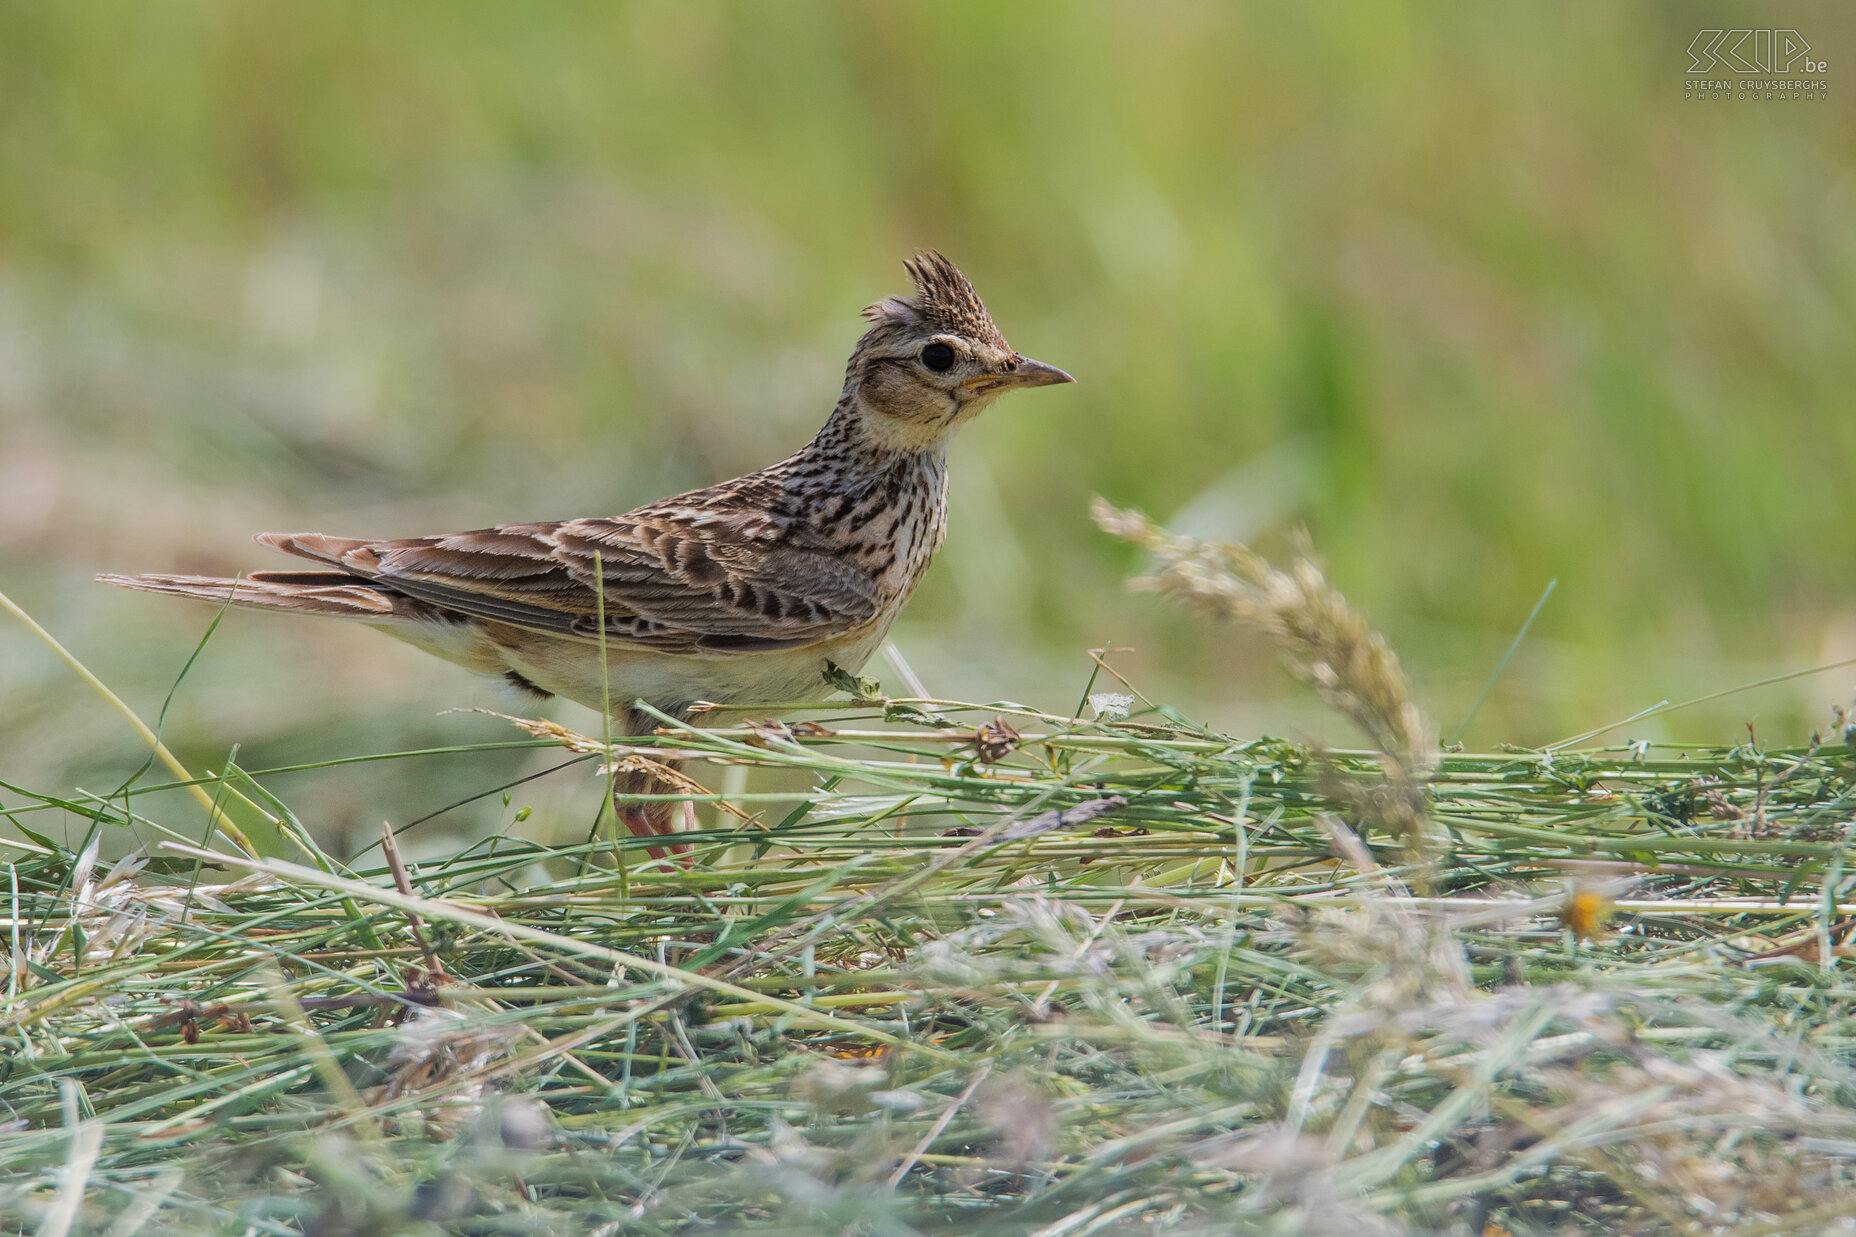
[(328, 592)]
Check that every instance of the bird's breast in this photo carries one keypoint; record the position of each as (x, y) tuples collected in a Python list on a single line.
[(899, 545)]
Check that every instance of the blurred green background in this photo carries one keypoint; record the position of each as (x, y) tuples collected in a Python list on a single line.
[(1470, 292)]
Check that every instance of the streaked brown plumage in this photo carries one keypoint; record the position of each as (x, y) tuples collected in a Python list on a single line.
[(738, 593)]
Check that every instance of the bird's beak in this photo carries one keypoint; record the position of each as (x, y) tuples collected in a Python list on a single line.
[(1032, 373), (1025, 372)]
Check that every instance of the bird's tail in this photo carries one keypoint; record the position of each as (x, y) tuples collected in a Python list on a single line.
[(303, 592)]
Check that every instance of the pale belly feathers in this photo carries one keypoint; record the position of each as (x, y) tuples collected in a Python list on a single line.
[(573, 669)]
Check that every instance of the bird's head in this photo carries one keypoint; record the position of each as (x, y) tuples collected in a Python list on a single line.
[(929, 362)]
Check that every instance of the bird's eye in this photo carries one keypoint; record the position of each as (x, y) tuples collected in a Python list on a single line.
[(938, 357)]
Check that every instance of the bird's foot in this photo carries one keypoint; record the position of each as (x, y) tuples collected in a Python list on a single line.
[(643, 823)]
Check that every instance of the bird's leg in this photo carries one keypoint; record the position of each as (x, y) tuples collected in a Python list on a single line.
[(647, 818)]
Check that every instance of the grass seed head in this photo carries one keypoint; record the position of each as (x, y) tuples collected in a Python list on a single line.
[(1322, 640)]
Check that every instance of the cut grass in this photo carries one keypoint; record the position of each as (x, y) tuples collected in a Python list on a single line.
[(988, 970), (1191, 1009)]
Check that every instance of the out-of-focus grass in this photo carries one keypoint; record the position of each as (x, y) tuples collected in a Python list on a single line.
[(1474, 294)]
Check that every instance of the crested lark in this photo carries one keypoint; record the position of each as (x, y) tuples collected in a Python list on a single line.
[(737, 594)]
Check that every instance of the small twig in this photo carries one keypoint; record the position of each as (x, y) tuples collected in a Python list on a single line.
[(390, 847), (1765, 789), (904, 670), (1068, 818), (1100, 658), (921, 1148)]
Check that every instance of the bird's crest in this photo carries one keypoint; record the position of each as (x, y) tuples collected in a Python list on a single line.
[(943, 301)]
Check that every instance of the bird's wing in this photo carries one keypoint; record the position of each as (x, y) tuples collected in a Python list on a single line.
[(667, 581)]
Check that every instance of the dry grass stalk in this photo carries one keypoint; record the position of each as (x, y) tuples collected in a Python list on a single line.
[(1322, 640)]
